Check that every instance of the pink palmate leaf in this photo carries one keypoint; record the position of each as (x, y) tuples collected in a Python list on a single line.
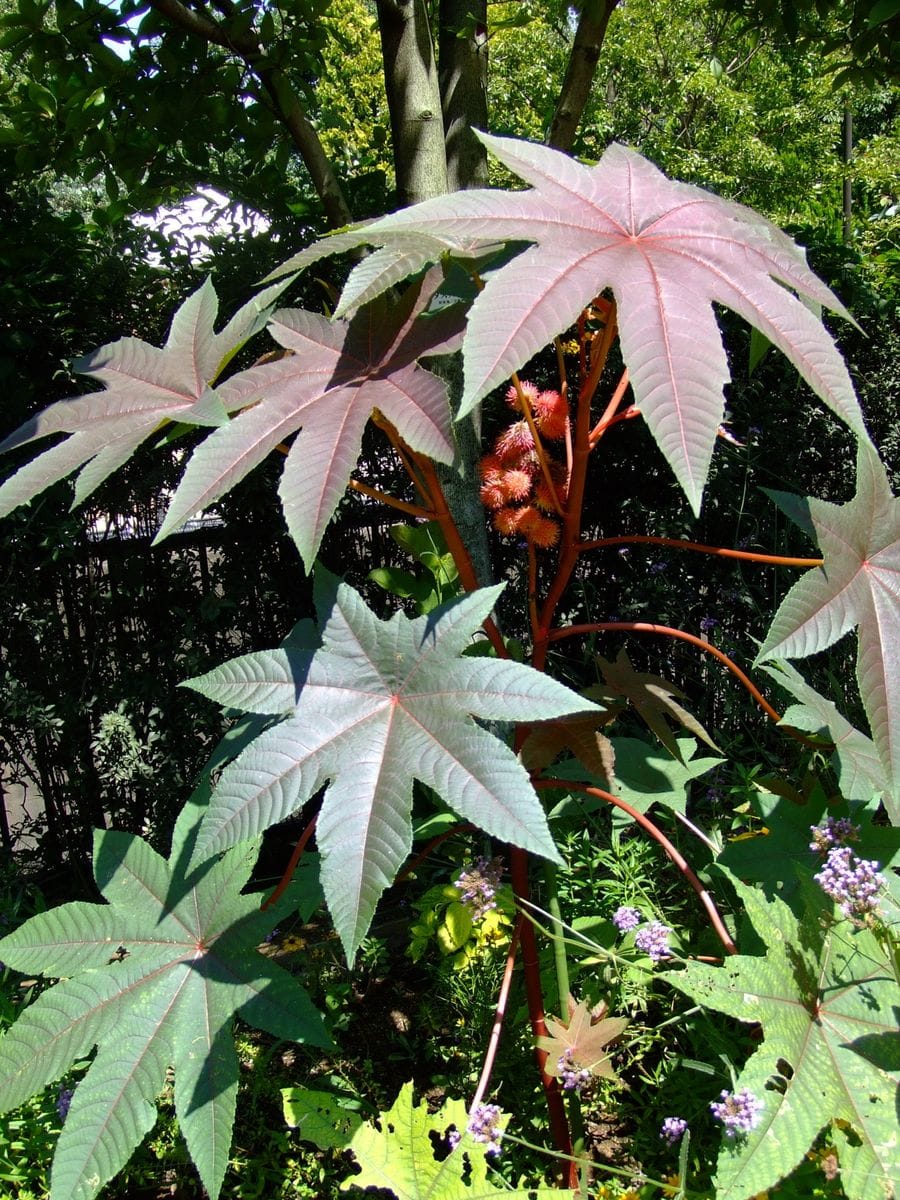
[(145, 386), (338, 373), (668, 251), (858, 584), (376, 706)]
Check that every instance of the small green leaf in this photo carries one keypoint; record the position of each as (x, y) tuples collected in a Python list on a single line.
[(319, 1117)]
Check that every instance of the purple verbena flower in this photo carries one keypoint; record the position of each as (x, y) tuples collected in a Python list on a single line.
[(478, 886), (738, 1112), (707, 624), (452, 1137), (657, 568), (653, 940), (672, 1129), (63, 1100), (625, 917), (853, 882), (484, 1127), (572, 1076), (834, 831), (276, 932)]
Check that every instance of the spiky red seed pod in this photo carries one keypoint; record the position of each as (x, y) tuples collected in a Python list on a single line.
[(516, 483), (492, 493), (528, 390), (551, 415), (540, 530), (542, 495), (489, 465), (506, 520), (514, 442)]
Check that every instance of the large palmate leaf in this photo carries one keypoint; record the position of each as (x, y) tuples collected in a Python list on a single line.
[(669, 252), (327, 388), (145, 386), (857, 765), (153, 980), (825, 996), (858, 584), (380, 704), (400, 1156)]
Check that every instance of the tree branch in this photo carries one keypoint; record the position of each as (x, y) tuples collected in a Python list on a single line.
[(285, 104)]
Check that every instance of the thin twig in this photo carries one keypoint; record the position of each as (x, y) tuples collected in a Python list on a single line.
[(556, 635), (778, 560), (499, 1014), (283, 883)]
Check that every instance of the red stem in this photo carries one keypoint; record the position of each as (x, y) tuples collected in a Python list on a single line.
[(289, 870), (656, 833), (556, 635), (432, 845), (499, 1014), (777, 560), (559, 1126)]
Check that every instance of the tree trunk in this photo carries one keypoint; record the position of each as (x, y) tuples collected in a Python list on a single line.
[(582, 67), (414, 101), (462, 75)]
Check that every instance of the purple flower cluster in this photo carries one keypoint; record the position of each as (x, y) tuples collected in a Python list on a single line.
[(625, 917), (63, 1100), (738, 1112), (708, 624), (853, 882), (834, 831), (484, 1127), (572, 1076), (653, 940), (672, 1129), (478, 886)]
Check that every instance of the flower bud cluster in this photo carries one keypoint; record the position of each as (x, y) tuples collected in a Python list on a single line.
[(478, 886), (738, 1112), (652, 939), (484, 1127), (572, 1076), (672, 1129), (513, 484), (854, 883), (834, 831)]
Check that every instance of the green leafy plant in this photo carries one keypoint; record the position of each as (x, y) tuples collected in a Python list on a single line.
[(361, 717), (153, 978)]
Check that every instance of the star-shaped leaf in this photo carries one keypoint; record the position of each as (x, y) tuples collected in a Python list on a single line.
[(653, 698), (856, 762), (587, 1037), (380, 704), (400, 1157), (580, 735), (338, 373), (825, 996), (669, 252), (145, 386), (858, 584), (153, 980)]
